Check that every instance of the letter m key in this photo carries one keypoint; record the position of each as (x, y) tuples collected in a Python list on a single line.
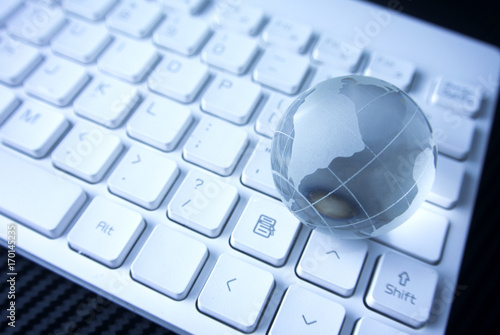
[(29, 117)]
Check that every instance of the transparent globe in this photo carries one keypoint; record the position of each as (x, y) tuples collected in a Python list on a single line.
[(353, 156)]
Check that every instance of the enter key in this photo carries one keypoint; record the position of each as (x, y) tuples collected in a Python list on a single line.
[(403, 289)]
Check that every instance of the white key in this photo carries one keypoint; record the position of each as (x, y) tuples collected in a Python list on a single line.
[(57, 81), (34, 129), (87, 152), (281, 70), (129, 60), (422, 236), (242, 18), (265, 230), (208, 145), (160, 122), (337, 53), (332, 263), (183, 34), (36, 22), (143, 177), (403, 289), (369, 326), (178, 78), (174, 253), (203, 202), (454, 133), (230, 51), (305, 312), (399, 72), (7, 8), (458, 96), (90, 9), (21, 60), (230, 98), (28, 191), (134, 18), (8, 102), (106, 232), (236, 293), (81, 41), (325, 72), (106, 101), (257, 173), (448, 183), (188, 6), (268, 118), (287, 34)]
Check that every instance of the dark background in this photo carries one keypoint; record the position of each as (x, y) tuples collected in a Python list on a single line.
[(50, 304)]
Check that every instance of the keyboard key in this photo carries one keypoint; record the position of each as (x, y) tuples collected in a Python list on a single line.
[(134, 18), (160, 122), (369, 326), (129, 60), (34, 129), (230, 51), (268, 118), (36, 22), (81, 41), (7, 9), (57, 81), (178, 78), (281, 70), (143, 177), (448, 183), (106, 101), (458, 96), (265, 230), (287, 34), (242, 18), (187, 6), (325, 72), (183, 34), (422, 236), (22, 59), (236, 293), (257, 173), (399, 72), (332, 263), (305, 312), (453, 133), (402, 289), (106, 232), (203, 202), (230, 98), (87, 152), (90, 9), (181, 257), (8, 102), (28, 192), (208, 145), (337, 53)]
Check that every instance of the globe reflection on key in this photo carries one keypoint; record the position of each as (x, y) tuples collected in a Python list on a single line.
[(353, 156)]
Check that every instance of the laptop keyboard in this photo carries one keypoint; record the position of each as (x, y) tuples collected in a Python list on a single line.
[(135, 160)]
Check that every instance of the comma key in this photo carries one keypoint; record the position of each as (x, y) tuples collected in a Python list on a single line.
[(403, 289)]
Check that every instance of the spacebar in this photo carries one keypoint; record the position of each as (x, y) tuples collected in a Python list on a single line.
[(37, 198)]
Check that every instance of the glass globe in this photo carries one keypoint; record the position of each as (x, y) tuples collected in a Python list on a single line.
[(353, 156)]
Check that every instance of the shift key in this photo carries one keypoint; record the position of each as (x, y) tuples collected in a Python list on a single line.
[(37, 198)]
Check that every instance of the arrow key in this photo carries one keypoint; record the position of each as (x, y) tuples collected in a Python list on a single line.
[(236, 293), (307, 313)]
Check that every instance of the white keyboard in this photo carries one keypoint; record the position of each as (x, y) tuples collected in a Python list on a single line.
[(134, 159)]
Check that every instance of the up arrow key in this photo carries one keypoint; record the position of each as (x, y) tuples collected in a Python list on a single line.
[(403, 278)]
